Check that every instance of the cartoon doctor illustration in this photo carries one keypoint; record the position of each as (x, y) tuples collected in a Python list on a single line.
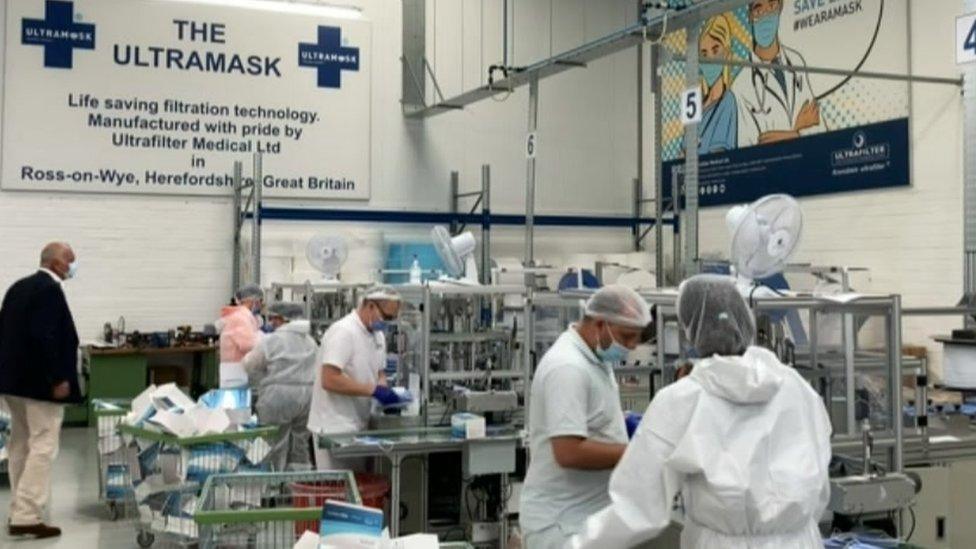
[(774, 104)]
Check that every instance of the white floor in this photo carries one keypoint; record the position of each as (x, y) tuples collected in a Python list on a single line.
[(74, 501)]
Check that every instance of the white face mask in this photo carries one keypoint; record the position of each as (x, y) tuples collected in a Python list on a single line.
[(72, 270)]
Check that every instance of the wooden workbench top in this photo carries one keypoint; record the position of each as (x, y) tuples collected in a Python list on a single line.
[(95, 351)]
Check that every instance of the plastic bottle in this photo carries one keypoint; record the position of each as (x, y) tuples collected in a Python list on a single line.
[(416, 273)]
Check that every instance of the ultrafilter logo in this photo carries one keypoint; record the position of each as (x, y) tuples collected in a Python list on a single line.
[(861, 152), (329, 56), (58, 33)]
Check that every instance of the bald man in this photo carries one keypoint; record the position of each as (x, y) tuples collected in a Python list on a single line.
[(38, 376)]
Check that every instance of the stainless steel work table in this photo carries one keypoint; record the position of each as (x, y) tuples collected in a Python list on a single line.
[(398, 445)]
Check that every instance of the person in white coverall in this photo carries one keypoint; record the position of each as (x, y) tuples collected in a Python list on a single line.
[(744, 440), (284, 362)]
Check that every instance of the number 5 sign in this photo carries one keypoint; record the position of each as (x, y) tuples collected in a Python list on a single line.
[(691, 106), (966, 38)]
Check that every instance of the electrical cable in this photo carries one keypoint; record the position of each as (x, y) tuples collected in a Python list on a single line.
[(664, 29), (911, 532)]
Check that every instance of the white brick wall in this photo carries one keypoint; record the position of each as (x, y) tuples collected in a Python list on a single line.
[(163, 261)]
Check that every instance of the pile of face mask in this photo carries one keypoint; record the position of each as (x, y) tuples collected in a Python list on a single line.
[(165, 477), (168, 410), (855, 540)]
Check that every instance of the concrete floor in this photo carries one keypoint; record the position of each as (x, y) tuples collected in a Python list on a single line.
[(75, 508), (85, 522)]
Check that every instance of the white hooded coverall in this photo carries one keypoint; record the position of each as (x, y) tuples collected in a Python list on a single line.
[(745, 441), (284, 361)]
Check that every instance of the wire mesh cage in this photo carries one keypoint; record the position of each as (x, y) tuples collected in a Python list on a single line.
[(268, 510), (114, 478), (167, 473), (166, 515)]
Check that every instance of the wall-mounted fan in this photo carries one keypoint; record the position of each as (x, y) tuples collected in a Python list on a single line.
[(327, 253)]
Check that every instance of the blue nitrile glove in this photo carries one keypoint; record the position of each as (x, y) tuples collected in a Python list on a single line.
[(385, 396), (267, 328), (632, 420)]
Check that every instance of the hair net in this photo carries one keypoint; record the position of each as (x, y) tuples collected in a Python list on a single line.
[(381, 293), (619, 305), (252, 291), (714, 316), (286, 310)]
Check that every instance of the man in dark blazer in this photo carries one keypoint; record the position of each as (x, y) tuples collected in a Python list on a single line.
[(38, 376)]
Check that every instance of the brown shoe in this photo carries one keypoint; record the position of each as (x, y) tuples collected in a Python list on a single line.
[(38, 531)]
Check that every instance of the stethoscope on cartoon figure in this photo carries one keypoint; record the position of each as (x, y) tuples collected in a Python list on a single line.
[(762, 90), (761, 87)]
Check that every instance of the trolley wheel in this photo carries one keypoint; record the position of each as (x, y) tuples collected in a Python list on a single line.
[(145, 539), (114, 511)]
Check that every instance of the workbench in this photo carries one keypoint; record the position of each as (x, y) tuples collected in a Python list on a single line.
[(398, 445), (123, 373)]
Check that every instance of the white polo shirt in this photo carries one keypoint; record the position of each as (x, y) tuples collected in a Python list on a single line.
[(573, 394), (361, 355)]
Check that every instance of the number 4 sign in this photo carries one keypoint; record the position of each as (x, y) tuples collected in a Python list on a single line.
[(966, 39), (691, 106)]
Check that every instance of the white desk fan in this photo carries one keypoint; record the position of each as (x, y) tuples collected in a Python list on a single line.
[(326, 254), (765, 234), (457, 253)]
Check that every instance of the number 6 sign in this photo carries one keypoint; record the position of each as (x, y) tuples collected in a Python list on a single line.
[(691, 106)]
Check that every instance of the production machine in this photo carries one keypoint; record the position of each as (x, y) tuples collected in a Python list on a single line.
[(458, 347), (326, 300), (460, 342)]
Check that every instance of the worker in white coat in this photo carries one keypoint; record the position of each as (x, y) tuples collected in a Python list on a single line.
[(577, 430), (284, 362), (351, 373), (774, 104), (743, 438)]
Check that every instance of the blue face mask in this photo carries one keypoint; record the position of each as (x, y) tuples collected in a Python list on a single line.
[(765, 29), (72, 270), (710, 72), (615, 353), (377, 326)]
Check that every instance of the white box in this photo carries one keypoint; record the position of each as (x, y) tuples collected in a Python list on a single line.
[(959, 366), (468, 426)]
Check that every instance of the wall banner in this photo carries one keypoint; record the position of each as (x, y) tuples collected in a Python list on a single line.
[(159, 96), (764, 129)]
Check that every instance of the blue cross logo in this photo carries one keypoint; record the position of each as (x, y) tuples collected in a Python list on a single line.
[(58, 34), (329, 57)]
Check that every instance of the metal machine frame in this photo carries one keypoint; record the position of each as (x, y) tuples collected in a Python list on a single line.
[(423, 297), (247, 207), (306, 293)]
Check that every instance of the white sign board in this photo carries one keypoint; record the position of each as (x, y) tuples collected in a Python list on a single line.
[(531, 143), (966, 38), (691, 106), (158, 96)]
